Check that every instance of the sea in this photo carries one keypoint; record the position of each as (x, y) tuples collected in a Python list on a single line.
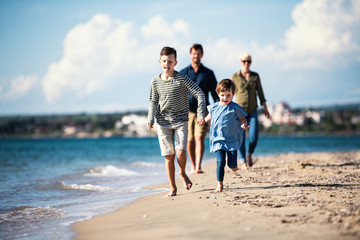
[(48, 184)]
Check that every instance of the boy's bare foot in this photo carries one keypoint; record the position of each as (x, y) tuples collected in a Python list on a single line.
[(172, 193), (235, 169), (186, 181), (243, 167), (199, 171)]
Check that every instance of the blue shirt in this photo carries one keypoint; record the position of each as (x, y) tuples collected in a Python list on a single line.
[(206, 80), (225, 127)]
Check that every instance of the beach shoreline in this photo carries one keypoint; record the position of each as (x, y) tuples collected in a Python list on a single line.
[(286, 196)]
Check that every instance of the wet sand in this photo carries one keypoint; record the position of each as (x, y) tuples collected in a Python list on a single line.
[(288, 196)]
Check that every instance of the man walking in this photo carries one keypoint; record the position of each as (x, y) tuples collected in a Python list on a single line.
[(205, 79)]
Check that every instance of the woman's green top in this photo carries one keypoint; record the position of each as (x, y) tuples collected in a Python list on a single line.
[(246, 91)]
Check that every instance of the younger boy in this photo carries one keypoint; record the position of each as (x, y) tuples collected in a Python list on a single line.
[(169, 104), (226, 128)]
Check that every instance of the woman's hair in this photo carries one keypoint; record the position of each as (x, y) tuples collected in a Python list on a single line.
[(168, 51), (245, 56), (225, 85)]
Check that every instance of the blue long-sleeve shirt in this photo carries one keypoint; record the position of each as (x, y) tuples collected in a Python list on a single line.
[(205, 79)]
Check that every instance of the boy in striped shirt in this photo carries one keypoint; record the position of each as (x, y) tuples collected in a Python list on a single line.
[(169, 104)]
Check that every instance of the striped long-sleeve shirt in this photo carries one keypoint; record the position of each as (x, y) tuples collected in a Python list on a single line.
[(169, 100)]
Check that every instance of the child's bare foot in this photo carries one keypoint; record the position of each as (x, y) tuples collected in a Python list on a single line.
[(196, 171), (172, 193), (220, 187), (235, 169), (186, 181), (243, 167)]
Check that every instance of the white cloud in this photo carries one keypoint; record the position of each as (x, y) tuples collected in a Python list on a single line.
[(105, 53), (19, 86), (324, 33), (159, 28), (105, 50)]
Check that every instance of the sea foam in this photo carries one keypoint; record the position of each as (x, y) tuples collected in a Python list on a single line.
[(109, 171), (147, 164), (86, 187), (30, 214)]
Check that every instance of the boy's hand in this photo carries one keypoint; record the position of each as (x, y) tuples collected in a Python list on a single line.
[(244, 126), (200, 122), (150, 126)]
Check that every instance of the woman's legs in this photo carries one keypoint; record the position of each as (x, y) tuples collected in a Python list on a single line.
[(253, 131), (242, 147), (253, 135)]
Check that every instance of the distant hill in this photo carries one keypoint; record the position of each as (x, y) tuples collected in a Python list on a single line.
[(337, 119)]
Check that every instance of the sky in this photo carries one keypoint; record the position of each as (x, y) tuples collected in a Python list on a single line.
[(77, 56)]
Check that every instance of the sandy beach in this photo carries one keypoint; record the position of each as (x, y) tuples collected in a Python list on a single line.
[(288, 196)]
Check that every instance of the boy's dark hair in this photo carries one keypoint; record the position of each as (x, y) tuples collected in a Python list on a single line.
[(167, 51), (197, 46), (225, 85)]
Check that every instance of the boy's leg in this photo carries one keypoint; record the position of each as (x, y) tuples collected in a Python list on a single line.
[(170, 170), (166, 140), (181, 137), (181, 158)]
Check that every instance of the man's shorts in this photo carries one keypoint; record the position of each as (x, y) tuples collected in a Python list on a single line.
[(194, 129), (168, 135)]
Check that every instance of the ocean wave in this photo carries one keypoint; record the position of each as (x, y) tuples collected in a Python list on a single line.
[(147, 164), (86, 187), (30, 214), (110, 171)]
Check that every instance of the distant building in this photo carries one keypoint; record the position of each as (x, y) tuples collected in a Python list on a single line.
[(133, 125), (282, 114)]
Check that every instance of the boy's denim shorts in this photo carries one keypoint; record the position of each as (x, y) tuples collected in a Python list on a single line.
[(172, 134)]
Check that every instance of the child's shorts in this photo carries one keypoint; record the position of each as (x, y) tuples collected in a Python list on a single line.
[(168, 135)]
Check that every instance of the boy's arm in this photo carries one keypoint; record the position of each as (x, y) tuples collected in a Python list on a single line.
[(153, 104), (244, 124)]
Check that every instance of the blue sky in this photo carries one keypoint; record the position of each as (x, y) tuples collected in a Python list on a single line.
[(99, 56)]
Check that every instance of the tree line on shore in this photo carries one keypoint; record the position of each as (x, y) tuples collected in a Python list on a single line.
[(343, 119)]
